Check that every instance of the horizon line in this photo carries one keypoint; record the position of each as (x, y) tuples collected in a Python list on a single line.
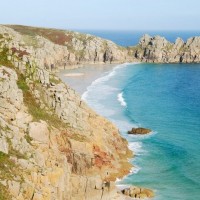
[(104, 29)]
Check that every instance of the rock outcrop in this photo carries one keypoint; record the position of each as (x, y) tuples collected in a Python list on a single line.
[(52, 145), (61, 49), (139, 131), (138, 193), (158, 50)]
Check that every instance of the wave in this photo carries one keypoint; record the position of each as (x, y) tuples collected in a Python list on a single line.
[(103, 79), (121, 99), (101, 96), (124, 125), (135, 169), (136, 147)]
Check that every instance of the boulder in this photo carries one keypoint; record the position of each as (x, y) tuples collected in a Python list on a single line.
[(139, 131), (138, 192)]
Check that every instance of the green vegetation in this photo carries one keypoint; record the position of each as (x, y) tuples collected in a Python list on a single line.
[(4, 194), (8, 168), (55, 80), (81, 53), (56, 36), (22, 83), (184, 49), (31, 41), (8, 171), (132, 50), (1, 36), (28, 138), (4, 58), (34, 108), (78, 137), (169, 47), (14, 152)]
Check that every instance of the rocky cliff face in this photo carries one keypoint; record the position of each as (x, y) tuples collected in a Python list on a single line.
[(57, 48), (52, 145), (158, 50)]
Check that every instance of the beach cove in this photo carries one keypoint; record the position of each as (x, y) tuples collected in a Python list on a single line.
[(132, 95)]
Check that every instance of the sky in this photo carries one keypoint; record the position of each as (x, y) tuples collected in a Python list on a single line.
[(103, 14)]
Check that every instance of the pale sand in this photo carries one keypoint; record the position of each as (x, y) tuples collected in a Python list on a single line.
[(73, 74), (80, 78)]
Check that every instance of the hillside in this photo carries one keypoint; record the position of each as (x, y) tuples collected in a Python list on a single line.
[(52, 145), (59, 48)]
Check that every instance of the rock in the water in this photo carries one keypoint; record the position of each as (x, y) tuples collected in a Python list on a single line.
[(137, 192), (139, 131)]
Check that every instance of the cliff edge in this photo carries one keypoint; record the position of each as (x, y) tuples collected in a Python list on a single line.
[(52, 145)]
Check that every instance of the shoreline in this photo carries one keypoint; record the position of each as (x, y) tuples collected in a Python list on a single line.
[(81, 77), (109, 68)]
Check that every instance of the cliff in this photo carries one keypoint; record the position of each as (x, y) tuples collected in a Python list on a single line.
[(158, 50), (52, 145), (59, 48)]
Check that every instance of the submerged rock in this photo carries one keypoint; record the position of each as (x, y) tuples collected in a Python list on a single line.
[(139, 131)]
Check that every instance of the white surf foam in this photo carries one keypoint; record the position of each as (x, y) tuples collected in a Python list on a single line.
[(103, 79), (121, 99), (124, 125), (136, 147), (100, 90), (122, 186), (135, 169)]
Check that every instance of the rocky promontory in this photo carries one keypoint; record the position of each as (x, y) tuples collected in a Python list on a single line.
[(158, 50), (53, 48)]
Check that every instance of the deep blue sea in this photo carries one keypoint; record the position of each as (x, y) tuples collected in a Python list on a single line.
[(166, 99), (130, 38)]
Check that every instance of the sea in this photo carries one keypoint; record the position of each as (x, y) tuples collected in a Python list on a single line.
[(164, 98), (131, 38)]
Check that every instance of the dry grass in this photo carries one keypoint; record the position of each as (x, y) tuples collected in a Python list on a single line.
[(56, 36)]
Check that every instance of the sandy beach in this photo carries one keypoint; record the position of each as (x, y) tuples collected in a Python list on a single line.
[(73, 74), (80, 78)]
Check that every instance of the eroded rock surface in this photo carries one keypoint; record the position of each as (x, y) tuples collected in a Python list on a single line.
[(52, 145), (158, 50)]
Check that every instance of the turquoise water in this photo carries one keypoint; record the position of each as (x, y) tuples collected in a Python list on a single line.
[(166, 99)]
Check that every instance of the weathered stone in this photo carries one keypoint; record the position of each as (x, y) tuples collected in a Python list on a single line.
[(3, 145), (39, 131), (157, 49), (14, 188), (139, 131), (137, 192), (78, 160)]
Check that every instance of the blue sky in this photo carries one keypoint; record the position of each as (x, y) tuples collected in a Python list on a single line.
[(104, 14)]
